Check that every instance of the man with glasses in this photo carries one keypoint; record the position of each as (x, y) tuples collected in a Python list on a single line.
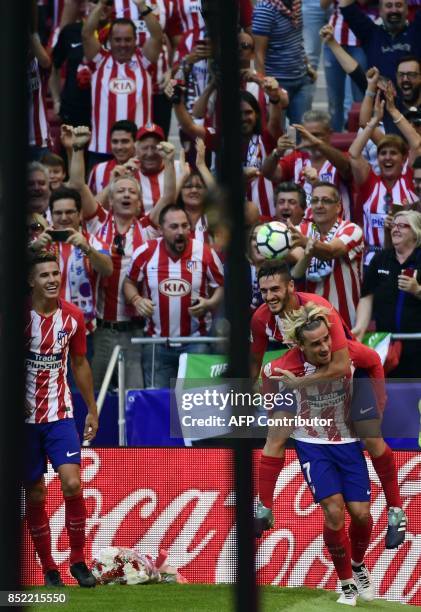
[(314, 159), (328, 252), (83, 259), (388, 40), (120, 228)]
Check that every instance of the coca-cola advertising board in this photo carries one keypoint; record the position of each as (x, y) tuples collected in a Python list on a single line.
[(183, 500)]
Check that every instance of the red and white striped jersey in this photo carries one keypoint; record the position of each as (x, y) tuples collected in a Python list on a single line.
[(48, 342), (100, 175), (58, 6), (189, 13), (119, 91), (173, 284), (39, 134), (111, 305), (292, 166), (371, 200), (79, 281), (168, 20), (260, 190), (152, 186), (328, 400), (338, 280), (341, 30), (200, 230)]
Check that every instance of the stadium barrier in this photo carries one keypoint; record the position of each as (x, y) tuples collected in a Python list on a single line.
[(191, 512)]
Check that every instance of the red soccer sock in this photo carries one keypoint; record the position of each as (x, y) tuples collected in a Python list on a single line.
[(269, 469), (39, 527), (360, 539), (75, 511), (339, 548), (385, 467)]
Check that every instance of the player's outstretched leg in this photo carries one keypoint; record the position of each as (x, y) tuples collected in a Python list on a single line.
[(39, 528), (384, 463), (75, 519), (339, 547)]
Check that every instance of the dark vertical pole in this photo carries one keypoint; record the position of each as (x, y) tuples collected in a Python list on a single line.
[(14, 28), (222, 21)]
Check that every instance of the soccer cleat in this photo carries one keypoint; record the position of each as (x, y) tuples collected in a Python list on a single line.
[(349, 595), (82, 574), (52, 578), (396, 528), (263, 520), (365, 586)]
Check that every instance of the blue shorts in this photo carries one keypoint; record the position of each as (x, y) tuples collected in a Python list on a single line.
[(58, 441), (334, 468), (364, 400)]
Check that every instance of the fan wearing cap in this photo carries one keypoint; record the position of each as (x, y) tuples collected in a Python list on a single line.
[(151, 167)]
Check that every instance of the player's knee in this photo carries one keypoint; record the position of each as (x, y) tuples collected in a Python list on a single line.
[(334, 515), (37, 493), (275, 446), (361, 514), (375, 446), (71, 486)]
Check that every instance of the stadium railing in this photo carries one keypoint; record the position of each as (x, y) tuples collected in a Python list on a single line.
[(117, 359)]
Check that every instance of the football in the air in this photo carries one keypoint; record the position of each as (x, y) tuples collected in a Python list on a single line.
[(273, 240)]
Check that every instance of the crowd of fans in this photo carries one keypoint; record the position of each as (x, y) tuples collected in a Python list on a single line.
[(134, 229)]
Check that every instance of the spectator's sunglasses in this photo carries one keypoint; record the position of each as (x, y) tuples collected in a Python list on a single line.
[(119, 243)]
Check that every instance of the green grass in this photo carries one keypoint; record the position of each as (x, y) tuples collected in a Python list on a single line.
[(201, 598)]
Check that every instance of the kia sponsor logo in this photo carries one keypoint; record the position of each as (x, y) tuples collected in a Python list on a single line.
[(174, 287), (122, 86)]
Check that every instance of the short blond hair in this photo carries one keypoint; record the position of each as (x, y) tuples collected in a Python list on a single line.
[(112, 186), (305, 318), (413, 218)]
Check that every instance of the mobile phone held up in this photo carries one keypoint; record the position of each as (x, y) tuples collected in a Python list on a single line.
[(59, 235)]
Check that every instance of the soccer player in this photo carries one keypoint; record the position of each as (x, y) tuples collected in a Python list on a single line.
[(54, 329), (330, 456), (267, 324)]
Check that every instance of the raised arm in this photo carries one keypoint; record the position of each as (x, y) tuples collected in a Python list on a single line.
[(152, 47), (81, 137), (166, 151), (363, 316), (270, 166), (408, 132), (360, 166), (200, 107), (335, 156), (260, 47), (277, 102), (205, 173), (184, 119), (39, 52), (91, 44)]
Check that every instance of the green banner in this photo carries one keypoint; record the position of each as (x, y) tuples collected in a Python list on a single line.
[(193, 366)]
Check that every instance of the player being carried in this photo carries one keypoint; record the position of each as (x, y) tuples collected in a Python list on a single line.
[(330, 456), (54, 329), (277, 289)]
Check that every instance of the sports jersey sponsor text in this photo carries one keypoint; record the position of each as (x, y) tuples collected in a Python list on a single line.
[(37, 361), (122, 86), (174, 287)]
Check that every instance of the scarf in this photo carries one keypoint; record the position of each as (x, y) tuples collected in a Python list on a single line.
[(319, 269), (294, 13)]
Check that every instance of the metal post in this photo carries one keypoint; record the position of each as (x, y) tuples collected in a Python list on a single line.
[(14, 30), (121, 399)]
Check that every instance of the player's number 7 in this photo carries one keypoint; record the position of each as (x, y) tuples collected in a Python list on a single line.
[(306, 466)]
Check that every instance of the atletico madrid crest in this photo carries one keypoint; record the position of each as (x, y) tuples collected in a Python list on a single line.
[(62, 337)]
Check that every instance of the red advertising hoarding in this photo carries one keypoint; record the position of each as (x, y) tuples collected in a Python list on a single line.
[(183, 500)]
